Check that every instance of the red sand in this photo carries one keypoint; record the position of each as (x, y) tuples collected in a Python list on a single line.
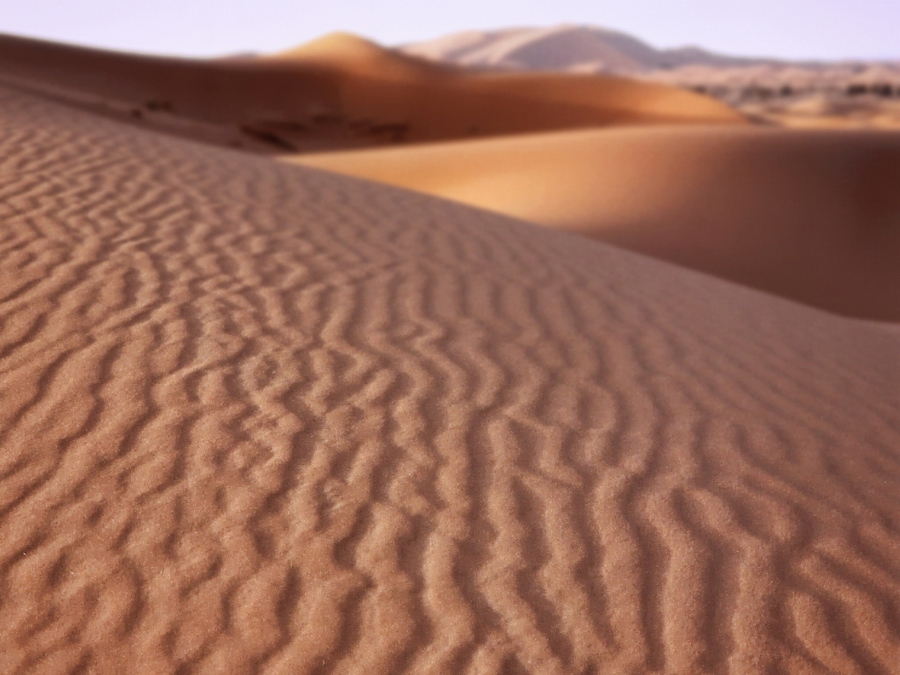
[(260, 418), (812, 216), (338, 92)]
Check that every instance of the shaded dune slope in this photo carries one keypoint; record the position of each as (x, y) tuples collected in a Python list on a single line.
[(812, 216), (259, 418), (339, 91)]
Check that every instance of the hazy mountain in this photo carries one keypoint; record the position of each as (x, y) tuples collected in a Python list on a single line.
[(577, 48), (753, 85)]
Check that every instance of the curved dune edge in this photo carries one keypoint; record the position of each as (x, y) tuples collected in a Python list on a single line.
[(338, 92), (259, 418), (624, 99), (811, 216)]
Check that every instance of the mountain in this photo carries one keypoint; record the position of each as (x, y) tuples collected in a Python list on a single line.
[(566, 47), (769, 91)]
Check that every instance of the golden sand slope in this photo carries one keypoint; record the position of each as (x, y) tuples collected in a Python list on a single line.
[(813, 216), (339, 91), (259, 418)]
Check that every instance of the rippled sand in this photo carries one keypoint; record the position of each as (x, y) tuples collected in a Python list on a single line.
[(257, 417)]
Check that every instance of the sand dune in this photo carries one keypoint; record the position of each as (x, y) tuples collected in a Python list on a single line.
[(821, 111), (566, 47), (340, 91), (776, 92), (261, 418), (811, 216)]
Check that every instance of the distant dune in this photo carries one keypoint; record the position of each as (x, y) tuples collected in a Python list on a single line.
[(578, 48), (565, 47), (258, 417), (811, 216), (338, 92), (779, 92)]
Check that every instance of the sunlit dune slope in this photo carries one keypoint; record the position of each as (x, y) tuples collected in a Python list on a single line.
[(621, 100), (339, 91), (349, 52), (258, 418), (812, 216)]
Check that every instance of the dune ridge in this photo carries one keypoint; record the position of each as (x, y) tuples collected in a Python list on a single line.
[(340, 91), (811, 216), (568, 47), (822, 94), (261, 418)]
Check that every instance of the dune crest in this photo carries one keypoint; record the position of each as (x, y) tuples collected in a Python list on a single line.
[(566, 47), (823, 94), (350, 52), (811, 216), (338, 92), (260, 418)]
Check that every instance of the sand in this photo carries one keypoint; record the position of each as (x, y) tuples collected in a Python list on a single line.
[(262, 418), (340, 91), (801, 94), (569, 47), (811, 216)]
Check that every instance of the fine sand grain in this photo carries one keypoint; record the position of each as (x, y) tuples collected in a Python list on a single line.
[(261, 418)]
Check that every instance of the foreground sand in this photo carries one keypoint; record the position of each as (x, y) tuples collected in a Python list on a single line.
[(260, 418), (812, 216)]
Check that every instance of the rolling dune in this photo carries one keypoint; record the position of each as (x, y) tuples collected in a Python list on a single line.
[(568, 47), (807, 94), (812, 216), (261, 418), (340, 91)]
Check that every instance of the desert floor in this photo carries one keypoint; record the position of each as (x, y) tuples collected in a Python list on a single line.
[(258, 416)]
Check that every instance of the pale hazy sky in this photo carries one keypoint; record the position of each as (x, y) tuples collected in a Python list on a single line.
[(785, 28)]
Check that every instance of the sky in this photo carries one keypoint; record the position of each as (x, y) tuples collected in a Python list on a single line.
[(794, 29)]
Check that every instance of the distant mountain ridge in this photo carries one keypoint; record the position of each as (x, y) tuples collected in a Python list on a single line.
[(567, 47), (738, 81)]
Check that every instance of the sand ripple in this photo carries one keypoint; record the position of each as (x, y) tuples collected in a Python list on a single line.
[(257, 418)]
